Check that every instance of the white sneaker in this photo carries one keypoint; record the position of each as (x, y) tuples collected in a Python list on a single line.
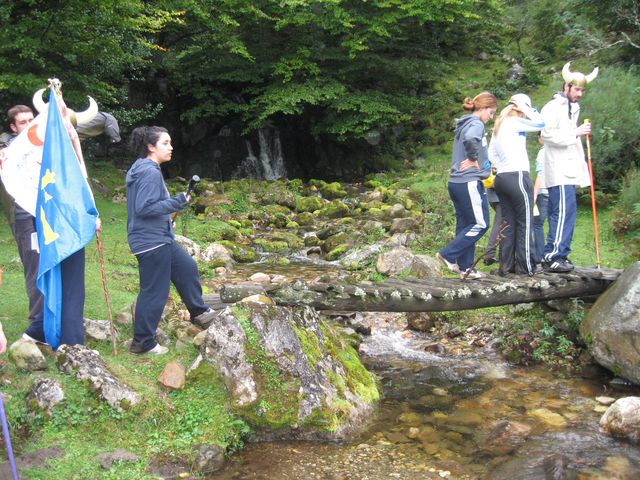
[(471, 273), (157, 350), (451, 266), (30, 339)]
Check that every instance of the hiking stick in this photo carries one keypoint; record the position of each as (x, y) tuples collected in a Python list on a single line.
[(192, 183), (593, 197), (106, 294), (7, 440), (499, 238)]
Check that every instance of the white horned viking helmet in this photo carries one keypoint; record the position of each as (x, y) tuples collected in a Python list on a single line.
[(576, 78), (77, 118)]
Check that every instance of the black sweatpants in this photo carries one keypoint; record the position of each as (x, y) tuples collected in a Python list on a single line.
[(158, 268), (515, 191)]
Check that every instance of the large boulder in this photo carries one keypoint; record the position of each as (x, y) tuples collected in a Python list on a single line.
[(622, 419), (289, 374), (611, 328)]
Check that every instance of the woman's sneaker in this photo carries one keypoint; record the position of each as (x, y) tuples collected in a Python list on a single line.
[(157, 350), (471, 273), (451, 266)]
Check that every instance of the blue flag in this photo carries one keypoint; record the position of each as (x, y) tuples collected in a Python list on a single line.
[(65, 216)]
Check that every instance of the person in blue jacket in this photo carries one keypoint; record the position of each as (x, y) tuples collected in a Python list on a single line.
[(469, 166), (150, 234)]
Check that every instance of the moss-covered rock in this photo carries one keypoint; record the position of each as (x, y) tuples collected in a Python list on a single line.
[(332, 190), (305, 219), (271, 246), (335, 240), (335, 209), (309, 204), (289, 374), (292, 240), (336, 253), (240, 253)]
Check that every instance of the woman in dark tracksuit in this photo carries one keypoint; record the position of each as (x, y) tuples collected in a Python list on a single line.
[(508, 153), (150, 233), (469, 166)]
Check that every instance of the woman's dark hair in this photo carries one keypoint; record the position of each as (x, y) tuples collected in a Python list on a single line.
[(143, 136)]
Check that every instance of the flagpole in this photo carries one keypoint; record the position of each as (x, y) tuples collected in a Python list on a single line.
[(106, 294)]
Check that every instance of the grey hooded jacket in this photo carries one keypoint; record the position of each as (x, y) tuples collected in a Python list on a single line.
[(469, 142), (149, 207)]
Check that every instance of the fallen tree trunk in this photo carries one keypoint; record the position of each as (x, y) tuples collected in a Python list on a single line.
[(433, 294)]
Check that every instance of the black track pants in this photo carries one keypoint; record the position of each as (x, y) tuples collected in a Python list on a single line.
[(515, 191)]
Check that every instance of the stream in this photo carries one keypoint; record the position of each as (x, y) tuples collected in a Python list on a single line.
[(463, 413)]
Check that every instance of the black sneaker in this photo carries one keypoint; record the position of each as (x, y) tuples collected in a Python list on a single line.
[(559, 265)]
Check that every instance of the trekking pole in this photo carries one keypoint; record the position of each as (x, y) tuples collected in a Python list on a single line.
[(192, 183), (7, 439), (593, 196), (106, 294)]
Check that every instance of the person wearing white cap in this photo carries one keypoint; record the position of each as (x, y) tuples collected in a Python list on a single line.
[(508, 154), (564, 166)]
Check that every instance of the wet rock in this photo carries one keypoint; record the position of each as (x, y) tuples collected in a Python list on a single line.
[(173, 376), (548, 417), (98, 329), (420, 321), (88, 365), (505, 437), (622, 419), (209, 458), (436, 347), (189, 246), (44, 394), (556, 467), (260, 277), (107, 459), (605, 400), (27, 356), (612, 326)]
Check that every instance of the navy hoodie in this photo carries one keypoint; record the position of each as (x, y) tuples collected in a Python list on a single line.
[(469, 141), (149, 207)]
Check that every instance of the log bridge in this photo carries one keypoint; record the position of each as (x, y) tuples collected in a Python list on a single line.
[(430, 294)]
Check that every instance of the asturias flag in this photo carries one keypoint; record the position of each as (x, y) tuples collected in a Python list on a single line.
[(65, 215)]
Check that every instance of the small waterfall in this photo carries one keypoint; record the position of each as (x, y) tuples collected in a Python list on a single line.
[(269, 164)]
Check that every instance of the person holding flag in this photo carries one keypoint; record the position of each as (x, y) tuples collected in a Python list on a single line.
[(66, 221), (21, 222)]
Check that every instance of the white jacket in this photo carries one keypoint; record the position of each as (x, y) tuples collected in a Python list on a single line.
[(508, 149), (564, 162)]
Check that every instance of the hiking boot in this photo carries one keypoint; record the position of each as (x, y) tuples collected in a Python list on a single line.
[(559, 265), (205, 318), (451, 266), (471, 273)]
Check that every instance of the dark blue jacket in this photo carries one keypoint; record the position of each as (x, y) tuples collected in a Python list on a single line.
[(149, 207)]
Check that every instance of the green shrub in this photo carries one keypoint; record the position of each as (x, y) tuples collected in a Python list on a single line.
[(613, 106)]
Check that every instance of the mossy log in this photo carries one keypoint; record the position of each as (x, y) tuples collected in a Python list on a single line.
[(434, 294)]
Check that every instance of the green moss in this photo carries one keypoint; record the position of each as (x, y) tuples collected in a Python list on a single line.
[(309, 204), (359, 380), (336, 253), (310, 345), (272, 246), (335, 209), (278, 393)]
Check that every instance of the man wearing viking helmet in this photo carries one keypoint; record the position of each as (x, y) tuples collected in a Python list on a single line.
[(565, 167)]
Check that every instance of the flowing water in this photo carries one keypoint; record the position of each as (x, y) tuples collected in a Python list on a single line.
[(467, 415)]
